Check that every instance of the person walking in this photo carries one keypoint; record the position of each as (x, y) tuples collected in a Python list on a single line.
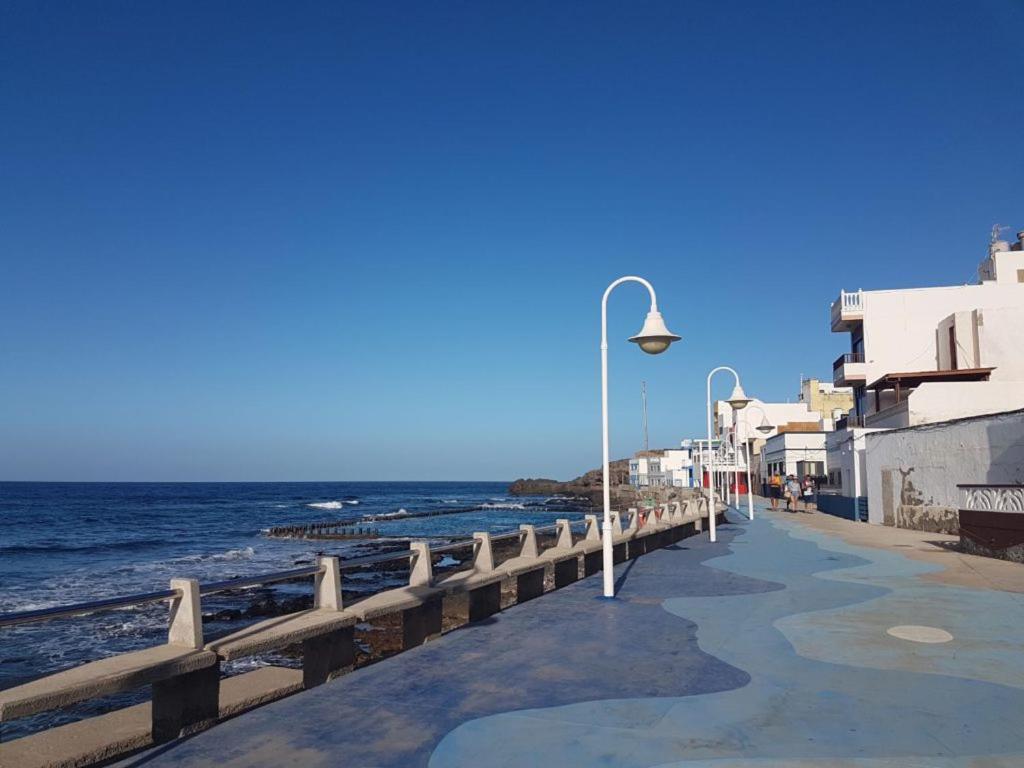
[(775, 489), (792, 492), (807, 487)]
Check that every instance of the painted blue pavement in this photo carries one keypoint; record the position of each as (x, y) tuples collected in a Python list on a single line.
[(764, 649)]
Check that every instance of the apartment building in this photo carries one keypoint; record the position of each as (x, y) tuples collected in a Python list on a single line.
[(924, 355)]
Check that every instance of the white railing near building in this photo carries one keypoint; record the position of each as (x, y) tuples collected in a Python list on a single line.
[(848, 303)]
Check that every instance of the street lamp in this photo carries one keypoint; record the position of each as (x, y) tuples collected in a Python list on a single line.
[(764, 428), (738, 400), (654, 338)]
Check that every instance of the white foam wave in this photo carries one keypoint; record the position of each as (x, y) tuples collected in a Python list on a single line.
[(244, 553), (327, 505), (450, 501), (502, 506)]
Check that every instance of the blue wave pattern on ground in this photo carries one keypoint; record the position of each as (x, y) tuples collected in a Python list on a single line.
[(795, 708), (566, 647)]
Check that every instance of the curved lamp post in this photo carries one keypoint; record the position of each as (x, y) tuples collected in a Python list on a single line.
[(764, 428), (654, 338), (738, 400)]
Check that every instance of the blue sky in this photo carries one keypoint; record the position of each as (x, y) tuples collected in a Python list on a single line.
[(268, 241)]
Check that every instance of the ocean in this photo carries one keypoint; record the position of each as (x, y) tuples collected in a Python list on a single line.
[(65, 543)]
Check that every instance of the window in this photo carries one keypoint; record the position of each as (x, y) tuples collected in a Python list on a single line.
[(1020, 275), (952, 348)]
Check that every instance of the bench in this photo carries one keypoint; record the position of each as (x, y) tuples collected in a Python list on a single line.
[(324, 632), (475, 593), (184, 677), (527, 570), (565, 556), (418, 605)]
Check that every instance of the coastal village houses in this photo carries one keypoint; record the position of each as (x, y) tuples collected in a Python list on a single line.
[(924, 356), (927, 404)]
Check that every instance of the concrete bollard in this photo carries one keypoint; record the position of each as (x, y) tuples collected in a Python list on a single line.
[(327, 587), (593, 529), (564, 534), (529, 547), (186, 621), (483, 554), (422, 572), (616, 523)]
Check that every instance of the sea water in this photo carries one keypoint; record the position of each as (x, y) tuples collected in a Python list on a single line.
[(64, 543)]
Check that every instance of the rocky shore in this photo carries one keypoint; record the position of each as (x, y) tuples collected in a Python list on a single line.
[(587, 488)]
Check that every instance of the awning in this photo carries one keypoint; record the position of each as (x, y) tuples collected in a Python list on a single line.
[(912, 379)]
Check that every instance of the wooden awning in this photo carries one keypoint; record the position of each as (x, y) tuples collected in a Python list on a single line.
[(911, 379)]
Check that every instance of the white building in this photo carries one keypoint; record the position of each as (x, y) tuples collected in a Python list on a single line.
[(922, 355), (795, 453), (668, 467)]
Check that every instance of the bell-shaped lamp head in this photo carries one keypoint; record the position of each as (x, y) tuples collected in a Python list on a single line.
[(765, 427), (738, 399), (654, 338)]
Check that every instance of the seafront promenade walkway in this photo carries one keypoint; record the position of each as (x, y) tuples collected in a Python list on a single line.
[(796, 640)]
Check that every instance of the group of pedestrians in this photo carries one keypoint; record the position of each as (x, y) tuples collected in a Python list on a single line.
[(792, 490)]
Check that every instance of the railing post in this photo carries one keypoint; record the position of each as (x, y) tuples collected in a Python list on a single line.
[(422, 572), (564, 534), (593, 532), (529, 548), (616, 523), (483, 554), (327, 594), (186, 620)]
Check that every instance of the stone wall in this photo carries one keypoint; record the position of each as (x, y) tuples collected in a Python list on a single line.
[(913, 473)]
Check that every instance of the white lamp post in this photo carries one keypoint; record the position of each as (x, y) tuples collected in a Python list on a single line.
[(737, 400), (654, 338), (764, 428)]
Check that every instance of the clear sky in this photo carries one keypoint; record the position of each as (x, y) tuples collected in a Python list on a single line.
[(270, 241)]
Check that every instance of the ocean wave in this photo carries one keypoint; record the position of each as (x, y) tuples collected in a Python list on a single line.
[(449, 501), (332, 504), (514, 505), (245, 553)]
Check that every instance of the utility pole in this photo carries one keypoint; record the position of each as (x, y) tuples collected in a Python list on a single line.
[(643, 400)]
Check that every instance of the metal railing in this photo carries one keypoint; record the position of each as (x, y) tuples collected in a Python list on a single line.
[(243, 582), (846, 358)]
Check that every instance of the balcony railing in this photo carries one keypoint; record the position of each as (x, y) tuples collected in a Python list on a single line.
[(850, 421), (847, 357), (847, 303)]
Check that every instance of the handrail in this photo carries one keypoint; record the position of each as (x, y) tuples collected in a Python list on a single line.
[(848, 357), (127, 601), (44, 614)]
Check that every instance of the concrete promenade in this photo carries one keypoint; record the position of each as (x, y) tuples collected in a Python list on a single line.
[(784, 644)]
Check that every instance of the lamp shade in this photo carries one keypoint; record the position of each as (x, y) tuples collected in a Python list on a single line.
[(738, 399), (654, 338)]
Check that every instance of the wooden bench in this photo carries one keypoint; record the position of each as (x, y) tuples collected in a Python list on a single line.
[(183, 676)]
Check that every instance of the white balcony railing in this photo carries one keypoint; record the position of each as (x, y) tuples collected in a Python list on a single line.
[(847, 304)]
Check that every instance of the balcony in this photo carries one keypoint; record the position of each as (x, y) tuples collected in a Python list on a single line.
[(847, 311), (850, 421), (849, 370)]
